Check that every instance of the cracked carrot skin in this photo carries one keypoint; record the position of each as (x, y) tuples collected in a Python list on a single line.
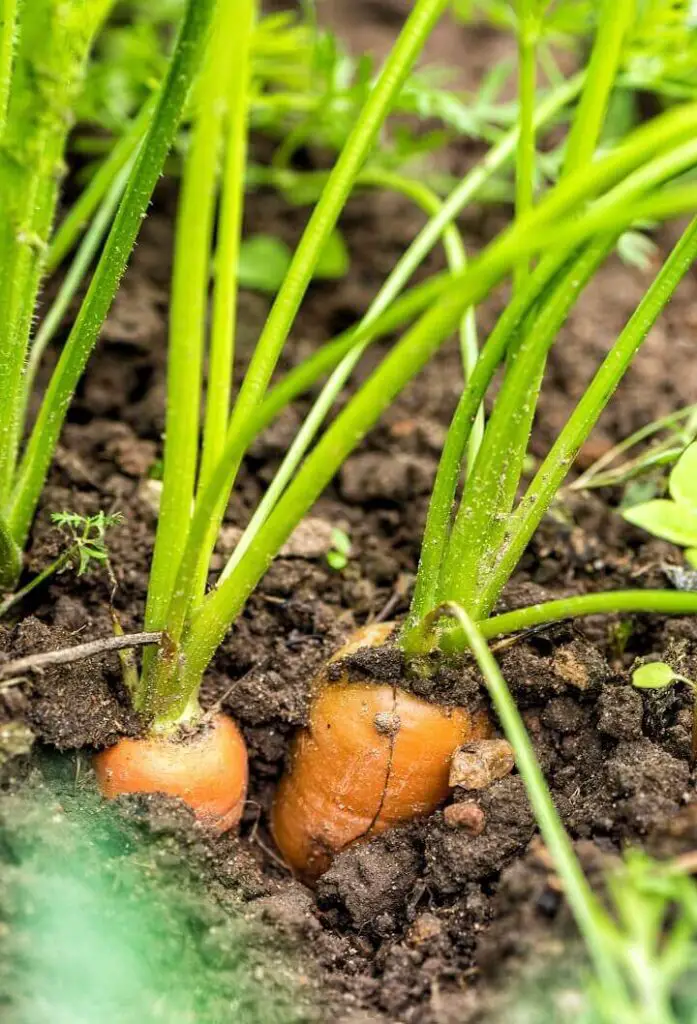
[(372, 756), (208, 770)]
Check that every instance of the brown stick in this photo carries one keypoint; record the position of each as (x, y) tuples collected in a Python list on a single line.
[(37, 662)]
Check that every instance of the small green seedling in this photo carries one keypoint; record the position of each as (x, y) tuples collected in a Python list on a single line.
[(86, 537), (658, 676), (675, 518), (338, 555)]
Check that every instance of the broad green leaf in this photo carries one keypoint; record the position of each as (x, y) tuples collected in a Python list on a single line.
[(691, 557), (665, 519), (683, 479), (333, 262), (654, 676), (264, 260)]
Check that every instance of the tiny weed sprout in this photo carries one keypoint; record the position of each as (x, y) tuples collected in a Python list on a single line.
[(87, 536), (674, 518), (656, 675), (44, 51)]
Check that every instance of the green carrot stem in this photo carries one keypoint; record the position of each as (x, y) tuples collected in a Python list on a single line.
[(10, 557), (83, 337), (437, 531), (93, 195), (528, 32), (34, 138), (646, 602), (187, 321), (615, 18), (222, 344)]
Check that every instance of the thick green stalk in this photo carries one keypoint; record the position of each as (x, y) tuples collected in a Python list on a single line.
[(455, 253), (644, 602), (594, 924), (340, 183), (221, 354), (616, 17), (491, 488), (75, 275), (54, 40), (182, 69), (528, 27), (8, 29), (187, 321), (69, 229), (584, 417)]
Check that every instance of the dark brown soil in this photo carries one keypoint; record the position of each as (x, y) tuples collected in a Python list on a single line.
[(420, 925)]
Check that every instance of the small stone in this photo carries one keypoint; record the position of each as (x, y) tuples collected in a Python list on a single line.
[(476, 765), (312, 538), (15, 739), (425, 928), (387, 723), (467, 816), (150, 492)]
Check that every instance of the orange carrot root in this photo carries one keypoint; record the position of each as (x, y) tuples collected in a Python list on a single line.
[(372, 756), (207, 770)]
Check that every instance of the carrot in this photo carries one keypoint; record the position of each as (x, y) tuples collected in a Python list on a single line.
[(207, 770), (372, 755)]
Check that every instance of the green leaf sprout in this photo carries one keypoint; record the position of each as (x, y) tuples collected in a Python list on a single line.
[(338, 555), (673, 519)]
